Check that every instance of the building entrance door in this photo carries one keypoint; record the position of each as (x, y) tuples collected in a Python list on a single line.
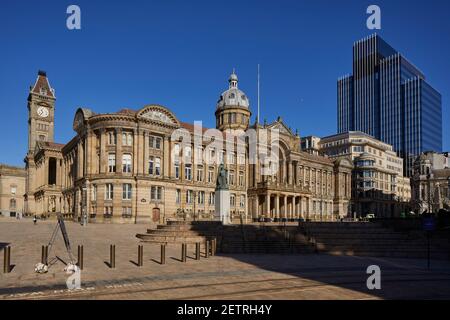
[(155, 214)]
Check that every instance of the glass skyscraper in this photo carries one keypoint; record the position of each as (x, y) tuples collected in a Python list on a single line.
[(388, 98)]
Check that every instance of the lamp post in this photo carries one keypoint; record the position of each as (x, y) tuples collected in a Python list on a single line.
[(194, 193), (84, 207), (448, 189)]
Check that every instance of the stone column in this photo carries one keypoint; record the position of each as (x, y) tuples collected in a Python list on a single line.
[(291, 173), (45, 163), (146, 155), (166, 160), (118, 150), (285, 207), (135, 152), (291, 207), (102, 157), (267, 213), (277, 205), (141, 150), (257, 205)]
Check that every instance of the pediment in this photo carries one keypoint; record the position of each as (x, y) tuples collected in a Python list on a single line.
[(281, 127), (158, 113)]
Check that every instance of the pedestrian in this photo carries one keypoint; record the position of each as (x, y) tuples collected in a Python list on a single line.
[(35, 219)]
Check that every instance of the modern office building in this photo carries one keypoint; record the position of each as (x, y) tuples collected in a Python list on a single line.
[(390, 99), (378, 184)]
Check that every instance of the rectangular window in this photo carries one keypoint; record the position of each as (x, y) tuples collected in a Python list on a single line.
[(108, 211), (231, 177), (211, 175), (233, 200), (187, 154), (151, 141), (112, 162), (94, 192), (127, 139), (241, 159), (201, 197), (241, 179), (157, 166), (231, 158), (151, 165), (109, 191), (156, 193), (200, 173), (199, 155), (178, 196), (242, 201), (155, 142), (126, 212), (212, 198), (176, 167), (212, 155), (126, 163), (176, 151), (112, 138), (126, 194), (189, 196), (188, 171)]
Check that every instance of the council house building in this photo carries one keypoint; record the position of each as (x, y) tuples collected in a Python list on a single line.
[(132, 166)]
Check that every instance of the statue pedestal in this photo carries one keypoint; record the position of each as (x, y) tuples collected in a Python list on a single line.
[(222, 203)]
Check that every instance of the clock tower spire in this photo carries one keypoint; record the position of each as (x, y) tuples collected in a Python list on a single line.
[(41, 112)]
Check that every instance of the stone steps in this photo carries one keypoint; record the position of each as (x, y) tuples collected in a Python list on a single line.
[(369, 239), (170, 239), (263, 247)]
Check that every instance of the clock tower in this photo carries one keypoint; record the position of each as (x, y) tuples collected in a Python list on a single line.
[(41, 112), (41, 123)]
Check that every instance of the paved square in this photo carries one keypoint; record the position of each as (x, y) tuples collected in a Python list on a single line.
[(309, 276)]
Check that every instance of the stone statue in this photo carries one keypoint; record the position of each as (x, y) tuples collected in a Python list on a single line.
[(222, 178), (52, 204)]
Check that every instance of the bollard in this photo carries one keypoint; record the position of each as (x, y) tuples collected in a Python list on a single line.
[(140, 255), (213, 247), (112, 256), (163, 254), (197, 251), (80, 257), (206, 249), (43, 255), (7, 259), (183, 252)]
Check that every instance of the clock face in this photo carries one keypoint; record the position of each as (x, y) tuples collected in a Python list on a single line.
[(42, 112)]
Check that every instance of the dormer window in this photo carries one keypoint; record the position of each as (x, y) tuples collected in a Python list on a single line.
[(43, 91), (232, 96)]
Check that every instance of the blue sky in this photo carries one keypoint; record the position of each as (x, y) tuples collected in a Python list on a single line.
[(180, 54)]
